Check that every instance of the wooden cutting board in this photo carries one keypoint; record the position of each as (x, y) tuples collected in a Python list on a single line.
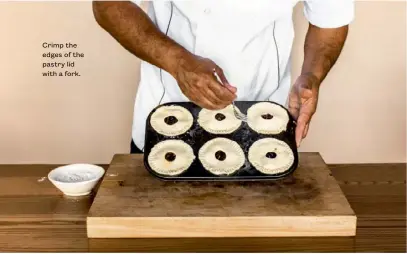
[(131, 203)]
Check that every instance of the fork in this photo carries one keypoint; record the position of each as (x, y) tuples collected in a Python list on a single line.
[(239, 115)]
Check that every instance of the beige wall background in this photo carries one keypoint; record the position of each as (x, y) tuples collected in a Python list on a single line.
[(361, 115)]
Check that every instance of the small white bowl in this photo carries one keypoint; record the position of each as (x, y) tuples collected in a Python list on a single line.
[(76, 179)]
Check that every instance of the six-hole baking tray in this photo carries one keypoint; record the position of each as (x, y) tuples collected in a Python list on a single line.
[(196, 137)]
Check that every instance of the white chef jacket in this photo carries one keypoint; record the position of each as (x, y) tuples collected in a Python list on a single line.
[(238, 36)]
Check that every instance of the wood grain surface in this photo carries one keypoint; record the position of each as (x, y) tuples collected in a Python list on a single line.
[(35, 217), (135, 204)]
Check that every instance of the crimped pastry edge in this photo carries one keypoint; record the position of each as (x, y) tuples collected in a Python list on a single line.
[(267, 131), (261, 168), (176, 171), (171, 132), (224, 131), (225, 171)]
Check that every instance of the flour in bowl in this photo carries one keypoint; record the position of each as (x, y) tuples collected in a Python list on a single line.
[(72, 177)]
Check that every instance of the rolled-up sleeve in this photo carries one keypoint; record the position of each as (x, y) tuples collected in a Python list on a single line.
[(329, 13)]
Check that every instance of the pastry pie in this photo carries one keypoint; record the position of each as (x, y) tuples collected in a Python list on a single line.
[(267, 118), (221, 156), (221, 121), (171, 157), (271, 156), (171, 120)]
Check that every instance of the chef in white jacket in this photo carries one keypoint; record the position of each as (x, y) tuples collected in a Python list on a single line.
[(248, 43)]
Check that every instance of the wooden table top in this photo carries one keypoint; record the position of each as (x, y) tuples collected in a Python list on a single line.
[(34, 216), (130, 203)]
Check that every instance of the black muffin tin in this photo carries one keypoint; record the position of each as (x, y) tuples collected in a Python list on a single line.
[(196, 137)]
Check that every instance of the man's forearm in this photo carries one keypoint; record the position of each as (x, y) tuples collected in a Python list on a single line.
[(321, 50), (135, 31)]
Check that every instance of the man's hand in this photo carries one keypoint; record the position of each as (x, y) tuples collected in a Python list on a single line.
[(321, 50), (303, 101), (135, 31), (196, 79)]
